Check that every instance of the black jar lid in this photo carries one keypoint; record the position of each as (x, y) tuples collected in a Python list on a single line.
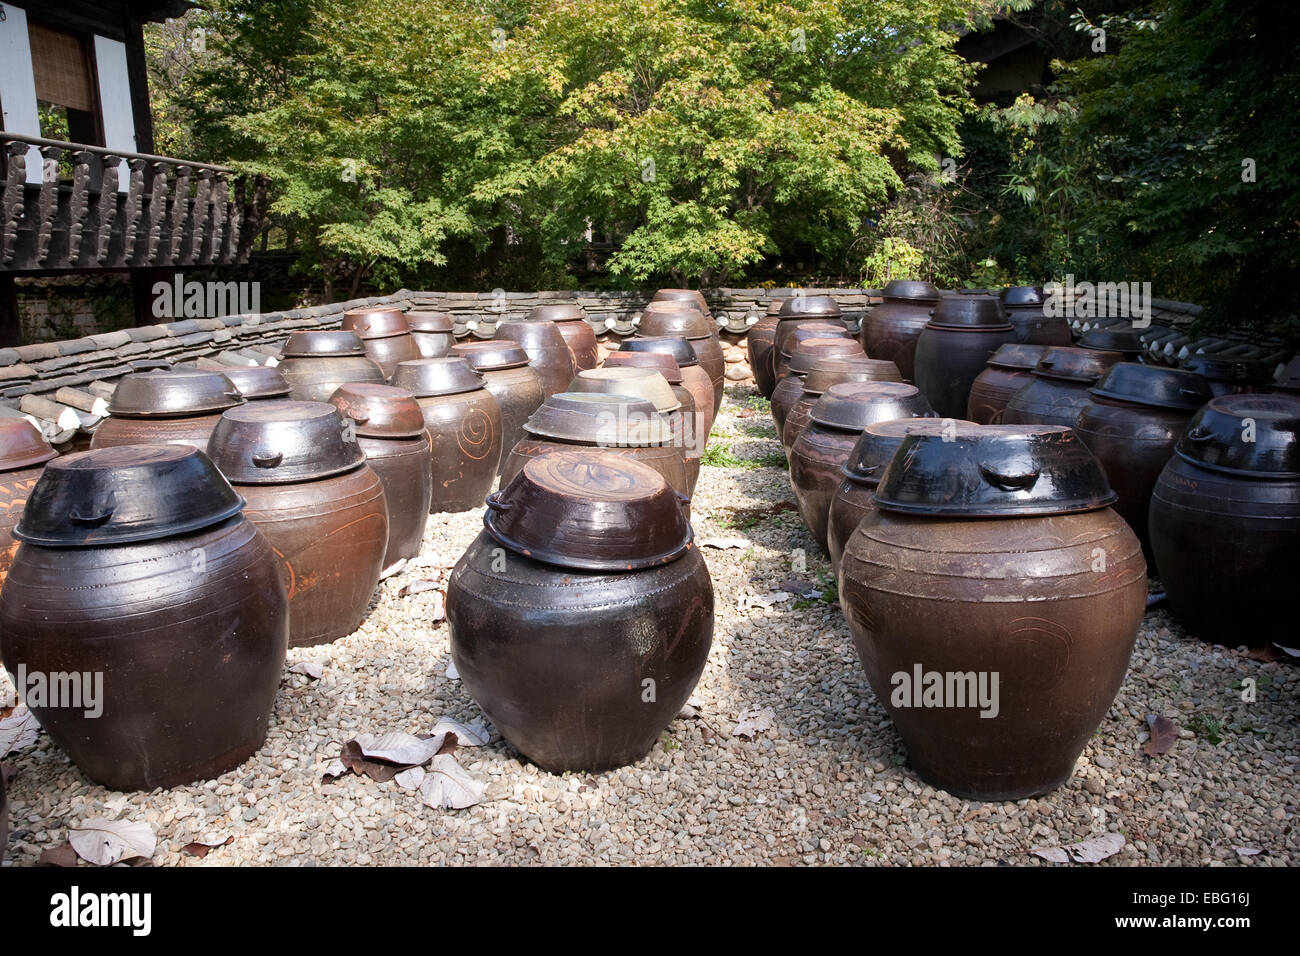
[(1246, 373), (808, 306), (853, 406), (1154, 386), (278, 443), (880, 440), (257, 381), (1017, 355), (994, 471), (124, 494), (675, 345), (1027, 297), (429, 377), (980, 313), (322, 342), (174, 393), (590, 510), (1123, 339), (1255, 436), (1076, 365), (910, 290)]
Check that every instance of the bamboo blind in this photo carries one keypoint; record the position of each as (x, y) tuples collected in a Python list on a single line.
[(61, 68)]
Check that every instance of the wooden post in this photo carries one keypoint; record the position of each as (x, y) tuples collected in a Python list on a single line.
[(11, 327), (142, 283)]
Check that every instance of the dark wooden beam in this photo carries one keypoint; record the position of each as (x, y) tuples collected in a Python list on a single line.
[(142, 283), (11, 327), (137, 72)]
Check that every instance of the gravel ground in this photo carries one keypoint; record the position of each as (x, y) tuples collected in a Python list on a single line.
[(828, 783)]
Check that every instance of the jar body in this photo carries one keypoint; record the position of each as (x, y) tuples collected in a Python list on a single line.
[(518, 392), (433, 344), (465, 438), (948, 361), (315, 378), (578, 670), (581, 340), (758, 343), (992, 390), (709, 351), (1047, 401), (403, 467), (1020, 606), (1133, 444), (15, 486), (788, 391), (1226, 549), (891, 329), (192, 430), (851, 502), (151, 619), (1034, 328), (330, 536), (388, 351), (816, 460), (692, 442), (697, 381)]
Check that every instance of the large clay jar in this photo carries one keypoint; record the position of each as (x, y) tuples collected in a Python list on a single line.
[(23, 454), (322, 508), (175, 407), (434, 332), (806, 332), (798, 310), (694, 378), (650, 385), (137, 567), (1131, 423), (875, 447), (954, 347), (660, 318), (1228, 375), (1058, 389), (837, 420), (790, 387), (758, 345), (1123, 339), (385, 335), (586, 641), (578, 334), (692, 439), (512, 381), (994, 599), (389, 427), (318, 362), (464, 423), (258, 383), (692, 297), (1026, 309), (825, 373), (548, 353), (1009, 370), (890, 330), (620, 425), (1225, 521)]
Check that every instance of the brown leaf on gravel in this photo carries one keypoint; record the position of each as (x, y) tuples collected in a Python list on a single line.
[(418, 586), (1164, 734), (1266, 653), (62, 856), (358, 763), (203, 849)]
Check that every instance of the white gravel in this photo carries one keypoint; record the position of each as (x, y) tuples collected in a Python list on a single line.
[(827, 784)]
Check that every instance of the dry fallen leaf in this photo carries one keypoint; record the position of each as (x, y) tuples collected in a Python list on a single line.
[(398, 748), (418, 586), (1164, 734), (202, 848), (448, 786), (1247, 850), (18, 731), (410, 778), (452, 673), (754, 721), (725, 544), (763, 600), (335, 768), (312, 669), (106, 842), (475, 734), (63, 855), (1096, 849)]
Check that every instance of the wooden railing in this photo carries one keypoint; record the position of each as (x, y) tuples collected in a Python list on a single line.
[(173, 212)]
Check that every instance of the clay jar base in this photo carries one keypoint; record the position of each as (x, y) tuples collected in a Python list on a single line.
[(557, 659), (1019, 597), (330, 536), (191, 660)]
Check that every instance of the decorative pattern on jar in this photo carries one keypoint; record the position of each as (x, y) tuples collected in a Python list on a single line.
[(514, 383)]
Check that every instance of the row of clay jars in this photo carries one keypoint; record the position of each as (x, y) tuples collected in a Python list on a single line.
[(694, 378), (979, 558), (385, 335), (1059, 387), (389, 427), (671, 319), (789, 388), (136, 564), (619, 425), (558, 651), (465, 429), (23, 454), (692, 437), (826, 372), (571, 321), (308, 488), (1009, 370), (853, 499), (891, 329), (806, 332), (954, 347), (836, 422), (758, 346), (513, 382)]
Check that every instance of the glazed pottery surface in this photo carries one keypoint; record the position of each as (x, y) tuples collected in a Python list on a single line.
[(676, 319), (825, 373), (548, 353), (556, 656), (890, 330), (694, 378), (512, 381), (385, 336), (577, 332), (23, 454), (316, 363), (258, 382), (433, 332), (758, 344), (954, 348), (1009, 369), (1059, 387), (1027, 310), (128, 596), (177, 407)]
